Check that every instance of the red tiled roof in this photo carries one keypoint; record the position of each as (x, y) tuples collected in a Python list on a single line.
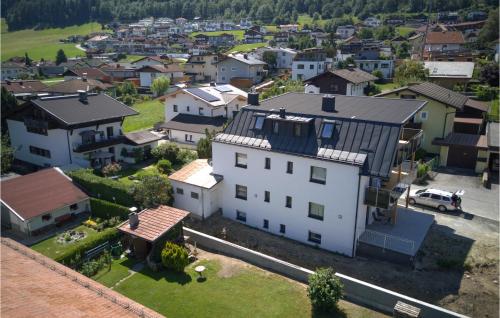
[(33, 285), (38, 193), (445, 37), (92, 72), (153, 223)]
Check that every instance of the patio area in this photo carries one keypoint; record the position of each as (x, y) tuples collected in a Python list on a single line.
[(405, 237)]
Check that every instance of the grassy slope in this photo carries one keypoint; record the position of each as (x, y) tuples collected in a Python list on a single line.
[(51, 248), (248, 293), (150, 113), (238, 34), (387, 86), (404, 31), (44, 43), (246, 47)]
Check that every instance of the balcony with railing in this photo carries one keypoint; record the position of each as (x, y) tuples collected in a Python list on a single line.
[(98, 141)]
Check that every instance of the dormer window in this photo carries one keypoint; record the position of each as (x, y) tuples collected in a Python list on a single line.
[(327, 130), (259, 122)]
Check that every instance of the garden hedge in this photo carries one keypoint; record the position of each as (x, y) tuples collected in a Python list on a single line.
[(103, 188), (70, 253), (105, 210)]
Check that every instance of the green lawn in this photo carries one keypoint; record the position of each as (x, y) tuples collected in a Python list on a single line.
[(53, 80), (271, 28), (51, 248), (404, 31), (493, 114), (246, 47), (43, 43), (150, 113), (387, 86), (137, 171), (238, 34), (246, 292), (119, 270)]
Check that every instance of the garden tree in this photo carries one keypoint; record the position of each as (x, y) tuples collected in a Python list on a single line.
[(27, 60), (316, 16), (403, 50), (111, 169), (152, 191), (378, 74), (8, 103), (489, 32), (365, 33), (174, 257), (270, 58), (164, 166), (204, 146), (489, 74), (167, 150), (7, 154), (324, 290), (345, 64), (160, 85), (385, 32), (410, 71), (61, 57), (127, 93)]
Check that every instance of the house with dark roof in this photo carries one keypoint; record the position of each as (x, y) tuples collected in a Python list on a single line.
[(86, 72), (74, 85), (36, 202), (83, 129), (319, 169), (452, 123), (189, 112), (349, 81)]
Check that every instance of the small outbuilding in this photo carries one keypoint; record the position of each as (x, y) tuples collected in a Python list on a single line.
[(147, 231)]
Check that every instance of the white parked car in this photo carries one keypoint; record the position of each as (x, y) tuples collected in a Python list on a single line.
[(441, 200)]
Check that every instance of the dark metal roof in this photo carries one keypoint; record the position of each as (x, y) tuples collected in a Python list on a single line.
[(71, 111), (371, 145), (460, 139), (388, 110), (440, 94), (193, 123)]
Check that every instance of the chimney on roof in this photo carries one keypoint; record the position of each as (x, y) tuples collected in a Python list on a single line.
[(82, 96), (245, 56), (212, 84), (282, 112), (328, 103), (133, 218), (253, 98), (84, 77)]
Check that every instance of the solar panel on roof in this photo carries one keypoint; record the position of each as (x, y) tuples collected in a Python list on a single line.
[(223, 88), (203, 95)]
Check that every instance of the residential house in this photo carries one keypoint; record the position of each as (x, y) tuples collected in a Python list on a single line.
[(86, 72), (288, 28), (147, 74), (196, 189), (444, 42), (24, 88), (309, 63), (73, 86), (11, 70), (323, 149), (492, 134), (119, 71), (240, 70), (150, 60), (281, 38), (245, 23), (372, 22), (82, 129), (189, 112), (284, 56), (349, 81), (202, 67), (36, 202), (371, 60), (181, 21), (450, 74), (253, 36), (137, 145), (345, 31), (50, 69), (456, 148)]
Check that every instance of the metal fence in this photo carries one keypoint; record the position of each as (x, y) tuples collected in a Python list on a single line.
[(77, 278), (387, 241)]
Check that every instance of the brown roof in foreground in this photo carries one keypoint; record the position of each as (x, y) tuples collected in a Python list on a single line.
[(460, 139), (445, 37), (37, 193), (33, 285), (20, 87), (155, 222), (72, 86)]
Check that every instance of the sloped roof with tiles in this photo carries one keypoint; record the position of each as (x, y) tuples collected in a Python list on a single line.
[(445, 37), (154, 222)]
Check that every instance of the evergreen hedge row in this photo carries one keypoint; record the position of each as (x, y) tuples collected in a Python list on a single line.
[(105, 210)]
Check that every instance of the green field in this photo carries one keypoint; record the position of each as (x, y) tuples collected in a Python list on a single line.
[(150, 113), (404, 31), (493, 114), (43, 43), (119, 270), (238, 34), (246, 47), (387, 86)]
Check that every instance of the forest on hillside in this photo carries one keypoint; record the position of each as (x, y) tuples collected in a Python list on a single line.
[(21, 14)]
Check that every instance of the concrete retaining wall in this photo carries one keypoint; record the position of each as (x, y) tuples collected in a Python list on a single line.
[(355, 290)]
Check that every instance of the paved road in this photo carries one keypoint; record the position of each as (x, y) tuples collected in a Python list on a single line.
[(477, 200)]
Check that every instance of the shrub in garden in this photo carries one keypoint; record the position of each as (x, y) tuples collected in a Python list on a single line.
[(153, 190), (422, 170), (174, 257), (325, 289), (105, 210), (111, 169), (167, 151), (164, 166), (185, 156)]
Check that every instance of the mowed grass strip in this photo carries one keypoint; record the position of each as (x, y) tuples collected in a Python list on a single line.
[(150, 113), (44, 43)]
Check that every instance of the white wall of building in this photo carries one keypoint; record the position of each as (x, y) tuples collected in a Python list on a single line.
[(356, 89), (303, 70), (339, 195), (205, 205), (185, 137)]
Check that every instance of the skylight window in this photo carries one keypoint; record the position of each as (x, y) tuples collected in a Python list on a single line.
[(327, 130), (259, 122)]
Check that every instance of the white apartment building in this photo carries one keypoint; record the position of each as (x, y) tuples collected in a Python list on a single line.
[(310, 63), (304, 166), (284, 56), (80, 129), (345, 31), (372, 22), (191, 111)]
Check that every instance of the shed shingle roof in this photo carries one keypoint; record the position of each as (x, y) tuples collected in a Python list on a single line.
[(141, 137), (71, 111), (155, 222), (37, 193)]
